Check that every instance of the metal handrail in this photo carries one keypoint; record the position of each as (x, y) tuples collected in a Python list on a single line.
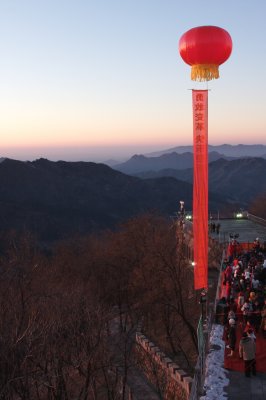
[(259, 220), (199, 375)]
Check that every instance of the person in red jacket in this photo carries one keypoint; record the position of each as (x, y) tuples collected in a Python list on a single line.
[(228, 273)]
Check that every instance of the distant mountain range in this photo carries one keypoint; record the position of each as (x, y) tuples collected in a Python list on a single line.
[(58, 199), (225, 150), (182, 157), (241, 179), (140, 163), (239, 150)]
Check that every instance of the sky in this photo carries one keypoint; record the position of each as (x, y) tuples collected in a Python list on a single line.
[(97, 79)]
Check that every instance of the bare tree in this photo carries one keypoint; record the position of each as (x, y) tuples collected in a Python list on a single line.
[(258, 206)]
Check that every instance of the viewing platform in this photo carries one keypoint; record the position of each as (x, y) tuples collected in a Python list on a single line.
[(248, 230), (221, 381)]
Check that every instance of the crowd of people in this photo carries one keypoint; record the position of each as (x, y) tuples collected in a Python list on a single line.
[(244, 298)]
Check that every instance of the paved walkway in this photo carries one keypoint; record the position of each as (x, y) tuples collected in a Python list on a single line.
[(247, 230), (242, 388), (221, 383), (120, 343), (141, 388)]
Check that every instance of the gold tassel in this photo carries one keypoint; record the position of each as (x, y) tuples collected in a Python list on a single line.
[(204, 72)]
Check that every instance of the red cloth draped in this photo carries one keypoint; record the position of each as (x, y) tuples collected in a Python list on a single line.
[(200, 187)]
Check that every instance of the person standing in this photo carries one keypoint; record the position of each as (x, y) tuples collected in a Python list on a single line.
[(247, 310), (228, 273), (247, 351), (231, 336)]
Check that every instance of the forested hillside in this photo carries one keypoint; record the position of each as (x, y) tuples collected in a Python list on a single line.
[(56, 200), (67, 319)]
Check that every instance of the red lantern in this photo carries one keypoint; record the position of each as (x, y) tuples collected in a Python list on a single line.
[(205, 48)]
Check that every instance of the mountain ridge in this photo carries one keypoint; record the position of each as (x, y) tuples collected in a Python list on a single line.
[(58, 199), (141, 163), (239, 150), (242, 179)]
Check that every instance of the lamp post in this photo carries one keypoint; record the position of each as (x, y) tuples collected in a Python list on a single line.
[(181, 214), (200, 333), (203, 300)]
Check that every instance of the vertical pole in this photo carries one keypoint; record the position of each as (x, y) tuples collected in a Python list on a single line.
[(200, 187)]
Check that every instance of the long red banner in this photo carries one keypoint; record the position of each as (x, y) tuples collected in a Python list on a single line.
[(200, 187)]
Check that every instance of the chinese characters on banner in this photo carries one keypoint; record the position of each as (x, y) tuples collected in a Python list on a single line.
[(200, 187)]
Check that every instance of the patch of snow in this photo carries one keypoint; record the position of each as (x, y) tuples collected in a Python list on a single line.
[(215, 378)]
